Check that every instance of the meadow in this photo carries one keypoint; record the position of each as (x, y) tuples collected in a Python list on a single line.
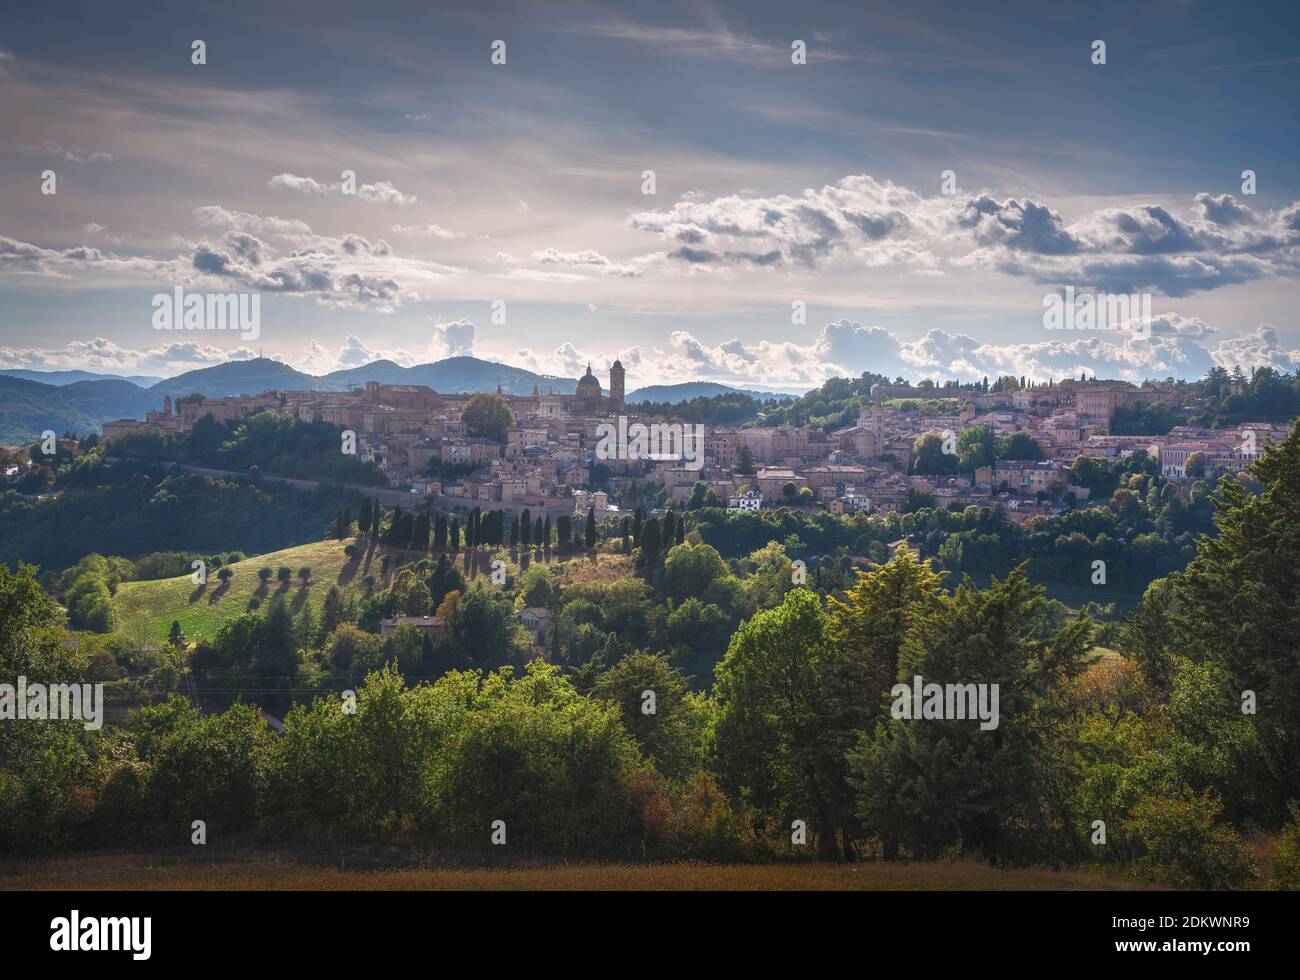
[(279, 872)]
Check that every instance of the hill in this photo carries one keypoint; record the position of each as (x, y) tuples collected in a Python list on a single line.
[(27, 408), (70, 377), (454, 374), (250, 377), (82, 402), (687, 390), (147, 608)]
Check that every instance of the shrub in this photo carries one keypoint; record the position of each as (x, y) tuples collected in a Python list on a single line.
[(1185, 844), (1284, 869)]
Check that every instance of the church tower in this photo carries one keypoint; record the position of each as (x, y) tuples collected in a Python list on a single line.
[(616, 385)]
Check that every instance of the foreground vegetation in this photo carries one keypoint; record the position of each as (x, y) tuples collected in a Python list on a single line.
[(683, 706), (280, 872)]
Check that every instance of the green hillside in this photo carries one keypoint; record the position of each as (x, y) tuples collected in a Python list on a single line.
[(148, 607)]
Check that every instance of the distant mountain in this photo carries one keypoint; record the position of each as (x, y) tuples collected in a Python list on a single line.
[(700, 389), (71, 377), (30, 406), (456, 374), (250, 377)]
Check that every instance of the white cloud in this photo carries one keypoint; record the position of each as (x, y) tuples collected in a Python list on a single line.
[(453, 338)]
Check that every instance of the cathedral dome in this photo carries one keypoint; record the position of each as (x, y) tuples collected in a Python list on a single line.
[(588, 386)]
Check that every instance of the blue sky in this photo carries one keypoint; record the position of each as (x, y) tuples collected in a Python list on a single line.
[(775, 183)]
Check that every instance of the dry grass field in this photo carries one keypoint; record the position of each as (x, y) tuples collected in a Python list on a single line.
[(271, 872)]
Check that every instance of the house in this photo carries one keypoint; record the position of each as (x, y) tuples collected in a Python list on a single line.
[(749, 500), (433, 627), (537, 620)]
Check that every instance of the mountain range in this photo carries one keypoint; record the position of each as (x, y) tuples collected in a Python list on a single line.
[(82, 401), (688, 390)]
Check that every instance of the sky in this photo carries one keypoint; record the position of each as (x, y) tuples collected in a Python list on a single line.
[(762, 194)]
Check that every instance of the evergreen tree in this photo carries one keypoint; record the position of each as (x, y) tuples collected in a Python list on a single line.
[(591, 528)]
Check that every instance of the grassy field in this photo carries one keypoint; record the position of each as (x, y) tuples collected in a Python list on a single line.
[(271, 872), (146, 609)]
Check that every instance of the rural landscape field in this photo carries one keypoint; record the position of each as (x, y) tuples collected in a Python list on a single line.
[(692, 446)]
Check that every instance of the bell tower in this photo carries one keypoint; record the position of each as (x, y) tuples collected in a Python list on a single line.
[(616, 384)]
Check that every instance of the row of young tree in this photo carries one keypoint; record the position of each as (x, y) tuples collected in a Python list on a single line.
[(423, 530)]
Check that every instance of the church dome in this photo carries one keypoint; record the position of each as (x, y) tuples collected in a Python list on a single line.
[(588, 386)]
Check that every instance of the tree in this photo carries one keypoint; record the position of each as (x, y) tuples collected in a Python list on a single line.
[(651, 544), (976, 447), (1234, 607), (525, 528), (671, 735), (1195, 465), (304, 574), (177, 635), (591, 528), (690, 569), (265, 573), (951, 782), (284, 573), (410, 594), (929, 455), (488, 417), (766, 741), (745, 461), (225, 574)]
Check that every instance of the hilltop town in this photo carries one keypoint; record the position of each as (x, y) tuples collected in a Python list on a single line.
[(546, 458)]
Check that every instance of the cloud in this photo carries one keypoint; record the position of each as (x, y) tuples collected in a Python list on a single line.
[(70, 154), (587, 259), (380, 192), (862, 222), (384, 192), (302, 185), (454, 338), (108, 357), (432, 231)]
